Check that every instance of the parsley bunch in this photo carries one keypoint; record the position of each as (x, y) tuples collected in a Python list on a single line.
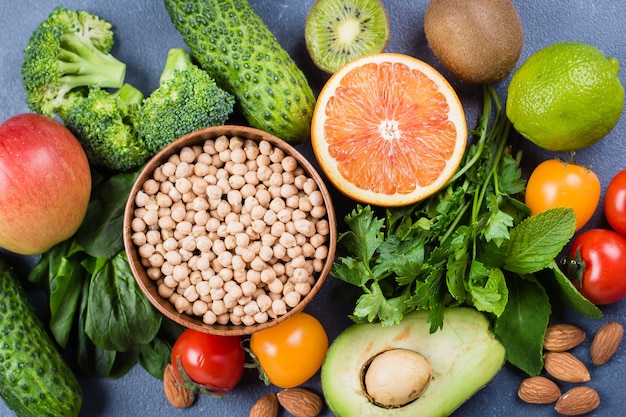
[(472, 243)]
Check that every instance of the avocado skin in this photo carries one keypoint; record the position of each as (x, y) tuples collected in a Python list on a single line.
[(464, 356), (232, 43), (35, 381)]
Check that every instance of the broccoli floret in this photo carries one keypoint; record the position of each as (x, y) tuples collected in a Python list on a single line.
[(103, 123), (68, 52), (186, 100)]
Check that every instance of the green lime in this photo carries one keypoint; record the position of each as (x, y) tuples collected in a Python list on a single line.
[(566, 96)]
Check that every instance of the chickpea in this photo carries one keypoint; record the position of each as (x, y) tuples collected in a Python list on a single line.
[(275, 287), (292, 299), (165, 291), (181, 304), (209, 317), (248, 288), (203, 288), (289, 163), (303, 288), (180, 273), (199, 308), (279, 307), (218, 307), (217, 293), (264, 302), (191, 294), (264, 172)]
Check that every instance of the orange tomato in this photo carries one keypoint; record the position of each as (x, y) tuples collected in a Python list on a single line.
[(555, 183), (291, 352)]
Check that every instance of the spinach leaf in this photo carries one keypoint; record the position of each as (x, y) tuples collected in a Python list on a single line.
[(119, 316), (100, 234), (92, 360), (59, 273), (522, 325)]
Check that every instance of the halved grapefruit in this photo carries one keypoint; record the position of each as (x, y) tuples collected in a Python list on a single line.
[(388, 130)]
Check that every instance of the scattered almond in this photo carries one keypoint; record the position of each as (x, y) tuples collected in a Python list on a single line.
[(177, 394), (578, 401), (266, 406), (300, 402), (605, 342), (538, 390), (563, 337), (566, 367)]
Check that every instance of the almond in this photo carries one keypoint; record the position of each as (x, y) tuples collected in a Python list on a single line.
[(300, 402), (177, 394), (566, 367), (266, 406), (538, 390), (605, 342), (563, 337), (578, 401)]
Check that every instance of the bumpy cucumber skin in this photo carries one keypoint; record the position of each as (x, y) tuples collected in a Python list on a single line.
[(35, 381), (232, 43)]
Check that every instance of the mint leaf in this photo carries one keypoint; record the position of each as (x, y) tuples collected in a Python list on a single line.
[(522, 325), (537, 240)]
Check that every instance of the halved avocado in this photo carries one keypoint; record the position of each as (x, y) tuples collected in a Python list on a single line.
[(463, 357)]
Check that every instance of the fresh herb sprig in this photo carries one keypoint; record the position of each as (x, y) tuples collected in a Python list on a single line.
[(472, 243)]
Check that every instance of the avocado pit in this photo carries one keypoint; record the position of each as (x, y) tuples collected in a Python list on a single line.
[(396, 377)]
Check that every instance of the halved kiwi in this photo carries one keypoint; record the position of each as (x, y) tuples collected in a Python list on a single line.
[(338, 31)]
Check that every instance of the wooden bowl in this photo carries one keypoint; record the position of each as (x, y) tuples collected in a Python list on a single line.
[(149, 285)]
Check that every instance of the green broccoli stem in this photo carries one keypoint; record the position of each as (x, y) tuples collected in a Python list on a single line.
[(129, 95), (177, 59), (81, 63)]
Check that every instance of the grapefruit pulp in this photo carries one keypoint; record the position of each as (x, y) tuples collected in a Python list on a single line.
[(388, 130)]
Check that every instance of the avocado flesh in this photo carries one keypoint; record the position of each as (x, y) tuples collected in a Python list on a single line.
[(464, 356)]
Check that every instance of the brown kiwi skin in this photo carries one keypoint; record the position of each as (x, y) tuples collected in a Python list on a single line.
[(478, 41)]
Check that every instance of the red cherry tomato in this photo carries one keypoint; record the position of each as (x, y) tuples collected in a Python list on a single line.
[(216, 362), (291, 352), (598, 265), (554, 183), (615, 203)]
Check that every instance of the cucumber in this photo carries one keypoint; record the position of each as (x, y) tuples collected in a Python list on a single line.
[(35, 381), (232, 43)]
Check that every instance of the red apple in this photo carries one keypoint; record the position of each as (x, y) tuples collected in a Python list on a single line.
[(45, 183)]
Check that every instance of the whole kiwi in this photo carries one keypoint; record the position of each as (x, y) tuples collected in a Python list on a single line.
[(478, 41)]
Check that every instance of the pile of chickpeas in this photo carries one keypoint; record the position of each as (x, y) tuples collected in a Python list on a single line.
[(233, 231)]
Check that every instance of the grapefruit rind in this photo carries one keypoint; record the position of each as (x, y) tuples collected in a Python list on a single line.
[(397, 196)]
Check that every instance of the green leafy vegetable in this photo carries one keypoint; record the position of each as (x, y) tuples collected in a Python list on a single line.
[(119, 316), (95, 303), (472, 243), (523, 324)]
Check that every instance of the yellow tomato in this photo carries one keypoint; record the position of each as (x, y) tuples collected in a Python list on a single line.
[(555, 183), (291, 352)]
